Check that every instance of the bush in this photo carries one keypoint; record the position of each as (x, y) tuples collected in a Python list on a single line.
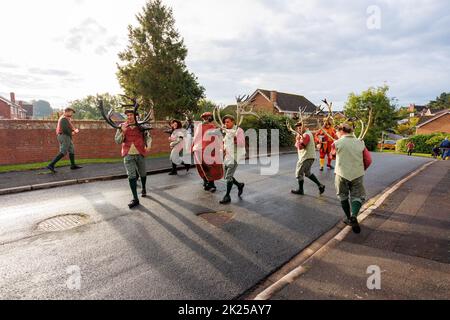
[(271, 121), (424, 142)]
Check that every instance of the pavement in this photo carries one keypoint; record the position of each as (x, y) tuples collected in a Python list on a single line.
[(172, 246), (407, 238)]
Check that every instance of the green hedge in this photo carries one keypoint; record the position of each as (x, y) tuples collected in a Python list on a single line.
[(424, 142), (271, 121)]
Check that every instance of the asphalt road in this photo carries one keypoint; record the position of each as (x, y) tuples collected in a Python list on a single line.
[(164, 250)]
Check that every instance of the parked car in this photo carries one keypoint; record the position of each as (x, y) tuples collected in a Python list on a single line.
[(387, 145)]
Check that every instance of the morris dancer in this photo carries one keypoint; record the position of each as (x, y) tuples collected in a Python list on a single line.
[(64, 131), (177, 145), (212, 169), (352, 159), (306, 157), (324, 143), (135, 145), (234, 148)]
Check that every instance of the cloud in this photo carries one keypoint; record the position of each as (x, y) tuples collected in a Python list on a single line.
[(50, 72), (318, 48), (90, 34), (7, 65)]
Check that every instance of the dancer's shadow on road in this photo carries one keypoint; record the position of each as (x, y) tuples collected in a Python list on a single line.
[(148, 247)]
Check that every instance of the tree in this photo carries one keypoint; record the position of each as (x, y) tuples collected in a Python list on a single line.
[(384, 114), (86, 108), (41, 109), (153, 65), (442, 102), (407, 128)]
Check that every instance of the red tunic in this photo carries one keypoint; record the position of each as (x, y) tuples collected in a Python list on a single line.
[(133, 135), (210, 172)]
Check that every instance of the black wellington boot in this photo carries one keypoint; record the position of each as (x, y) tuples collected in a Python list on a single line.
[(300, 190), (52, 164), (133, 186), (227, 198), (73, 166), (174, 170)]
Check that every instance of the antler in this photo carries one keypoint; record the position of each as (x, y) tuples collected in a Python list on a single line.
[(330, 116), (365, 130), (143, 125), (105, 116), (242, 103), (188, 115), (217, 117), (288, 125), (330, 109)]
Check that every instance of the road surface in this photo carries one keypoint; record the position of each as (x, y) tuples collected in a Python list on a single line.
[(166, 249)]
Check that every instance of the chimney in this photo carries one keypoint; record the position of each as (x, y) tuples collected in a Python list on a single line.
[(13, 97), (273, 96)]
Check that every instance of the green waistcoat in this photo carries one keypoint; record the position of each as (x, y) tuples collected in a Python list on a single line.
[(349, 157), (310, 151)]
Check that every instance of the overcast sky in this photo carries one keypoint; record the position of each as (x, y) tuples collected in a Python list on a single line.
[(61, 50)]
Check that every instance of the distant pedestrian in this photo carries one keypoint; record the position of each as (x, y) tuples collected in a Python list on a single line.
[(436, 151), (445, 146), (410, 146), (64, 131)]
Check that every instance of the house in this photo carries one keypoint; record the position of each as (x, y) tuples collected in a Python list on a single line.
[(9, 109), (28, 108), (280, 103), (440, 122), (420, 111)]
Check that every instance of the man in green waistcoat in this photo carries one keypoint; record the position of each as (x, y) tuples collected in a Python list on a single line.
[(306, 156), (351, 160), (64, 132)]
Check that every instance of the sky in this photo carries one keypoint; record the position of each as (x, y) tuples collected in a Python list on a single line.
[(62, 50)]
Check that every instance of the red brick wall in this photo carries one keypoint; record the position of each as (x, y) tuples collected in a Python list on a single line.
[(261, 104), (30, 141), (439, 125)]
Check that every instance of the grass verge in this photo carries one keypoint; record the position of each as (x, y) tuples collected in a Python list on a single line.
[(423, 155), (63, 163)]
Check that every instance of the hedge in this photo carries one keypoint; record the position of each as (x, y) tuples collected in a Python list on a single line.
[(424, 143)]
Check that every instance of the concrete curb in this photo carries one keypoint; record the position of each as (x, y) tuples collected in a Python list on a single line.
[(64, 183), (294, 268)]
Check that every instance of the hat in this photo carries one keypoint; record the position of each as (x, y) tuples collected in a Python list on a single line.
[(178, 122), (69, 109), (207, 115), (229, 116), (129, 111)]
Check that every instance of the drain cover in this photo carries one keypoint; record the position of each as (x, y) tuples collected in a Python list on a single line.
[(63, 222), (218, 218)]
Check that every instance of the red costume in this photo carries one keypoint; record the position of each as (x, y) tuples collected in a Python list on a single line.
[(135, 136), (325, 144), (209, 169)]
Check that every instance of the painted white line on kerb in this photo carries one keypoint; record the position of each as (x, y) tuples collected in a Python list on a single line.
[(367, 210)]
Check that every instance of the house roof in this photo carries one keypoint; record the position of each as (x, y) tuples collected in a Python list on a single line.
[(12, 104), (421, 108), (287, 102), (425, 120)]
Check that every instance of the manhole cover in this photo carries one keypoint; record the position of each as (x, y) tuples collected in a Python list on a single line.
[(63, 222), (218, 218)]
